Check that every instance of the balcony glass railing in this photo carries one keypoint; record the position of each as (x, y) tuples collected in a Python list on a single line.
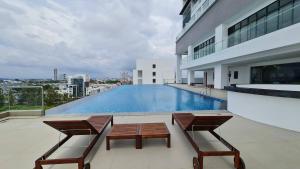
[(276, 16), (21, 98), (201, 10), (250, 31)]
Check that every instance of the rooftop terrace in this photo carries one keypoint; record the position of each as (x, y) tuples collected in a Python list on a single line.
[(23, 140)]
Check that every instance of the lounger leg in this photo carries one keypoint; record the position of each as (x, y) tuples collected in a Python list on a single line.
[(200, 158), (138, 142), (172, 119), (237, 160), (80, 164), (169, 141), (107, 143), (38, 165)]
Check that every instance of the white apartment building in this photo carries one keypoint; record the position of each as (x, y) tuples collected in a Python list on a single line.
[(240, 41), (251, 44), (154, 71)]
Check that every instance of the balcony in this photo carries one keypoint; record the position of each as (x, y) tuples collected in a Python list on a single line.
[(197, 15), (251, 35)]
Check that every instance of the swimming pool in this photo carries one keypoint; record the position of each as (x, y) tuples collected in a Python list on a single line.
[(139, 98)]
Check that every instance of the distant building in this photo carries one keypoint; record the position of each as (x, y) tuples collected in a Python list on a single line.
[(77, 85), (154, 71), (62, 76), (55, 74)]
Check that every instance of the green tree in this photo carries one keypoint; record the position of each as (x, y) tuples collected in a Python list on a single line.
[(2, 98), (11, 98)]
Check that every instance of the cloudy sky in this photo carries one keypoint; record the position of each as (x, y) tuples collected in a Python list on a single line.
[(98, 37)]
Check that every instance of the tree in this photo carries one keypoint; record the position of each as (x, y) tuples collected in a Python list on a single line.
[(11, 98), (2, 99)]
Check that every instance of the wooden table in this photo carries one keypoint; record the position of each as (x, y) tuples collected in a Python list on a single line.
[(138, 131)]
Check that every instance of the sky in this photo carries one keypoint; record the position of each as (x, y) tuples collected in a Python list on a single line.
[(99, 37)]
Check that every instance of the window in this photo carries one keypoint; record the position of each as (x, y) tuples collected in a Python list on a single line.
[(237, 34), (154, 66), (296, 11), (252, 27), (205, 48), (236, 75), (278, 15), (261, 22), (244, 30), (154, 80), (276, 74), (272, 17), (285, 13), (153, 73)]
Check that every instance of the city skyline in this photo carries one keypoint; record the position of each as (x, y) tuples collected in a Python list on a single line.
[(100, 38)]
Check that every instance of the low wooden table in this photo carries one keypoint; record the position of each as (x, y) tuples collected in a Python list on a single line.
[(138, 131)]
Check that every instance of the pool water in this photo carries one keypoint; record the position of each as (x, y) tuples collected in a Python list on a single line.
[(139, 98)]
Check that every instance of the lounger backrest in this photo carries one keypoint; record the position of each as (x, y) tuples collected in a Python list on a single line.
[(73, 127), (205, 123), (100, 122)]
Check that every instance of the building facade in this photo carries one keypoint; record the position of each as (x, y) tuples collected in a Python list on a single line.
[(55, 71), (240, 42), (154, 71), (77, 85)]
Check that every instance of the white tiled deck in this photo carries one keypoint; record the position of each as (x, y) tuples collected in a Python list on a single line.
[(262, 147)]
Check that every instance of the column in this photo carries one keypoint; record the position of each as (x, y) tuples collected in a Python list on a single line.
[(178, 70), (221, 36), (191, 77), (221, 76), (190, 53)]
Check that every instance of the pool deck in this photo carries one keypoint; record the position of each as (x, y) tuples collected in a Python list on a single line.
[(23, 140), (216, 93)]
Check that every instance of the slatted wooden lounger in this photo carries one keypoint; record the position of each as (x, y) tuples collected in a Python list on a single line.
[(188, 122), (95, 125)]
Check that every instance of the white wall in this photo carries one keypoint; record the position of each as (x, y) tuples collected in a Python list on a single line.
[(277, 111), (243, 74), (165, 69)]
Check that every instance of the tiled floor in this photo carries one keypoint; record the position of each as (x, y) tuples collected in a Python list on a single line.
[(261, 146)]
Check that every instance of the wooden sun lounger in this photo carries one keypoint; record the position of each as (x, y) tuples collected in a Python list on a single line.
[(95, 125), (188, 122), (138, 131)]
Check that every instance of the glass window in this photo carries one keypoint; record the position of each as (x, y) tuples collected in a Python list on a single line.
[(261, 22), (236, 75), (237, 34), (230, 36), (252, 27), (285, 13), (154, 80), (276, 74), (154, 66), (153, 73), (244, 30), (297, 11), (272, 17)]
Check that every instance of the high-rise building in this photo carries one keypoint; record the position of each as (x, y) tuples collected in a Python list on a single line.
[(77, 85), (154, 71), (240, 41), (55, 71)]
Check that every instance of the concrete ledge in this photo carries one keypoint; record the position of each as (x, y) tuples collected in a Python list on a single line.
[(22, 113), (4, 114)]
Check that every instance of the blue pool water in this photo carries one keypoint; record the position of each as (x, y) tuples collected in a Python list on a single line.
[(140, 98)]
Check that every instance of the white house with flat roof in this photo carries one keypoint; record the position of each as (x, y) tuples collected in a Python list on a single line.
[(251, 44), (154, 71)]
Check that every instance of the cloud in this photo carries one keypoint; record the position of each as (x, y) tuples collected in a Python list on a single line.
[(101, 38)]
